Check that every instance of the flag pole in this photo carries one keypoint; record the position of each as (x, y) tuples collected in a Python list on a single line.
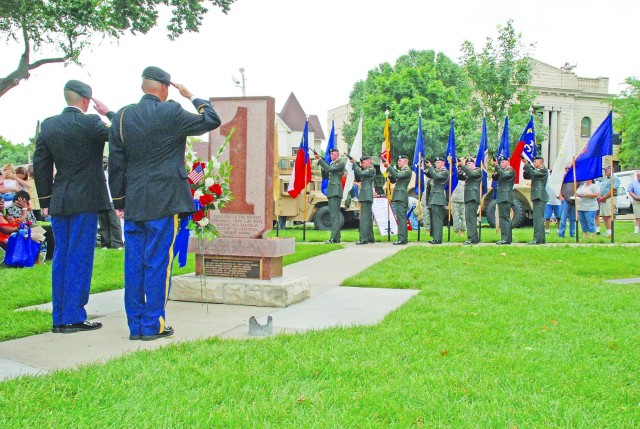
[(575, 202), (480, 206), (388, 182), (613, 196), (449, 205), (419, 192), (304, 210)]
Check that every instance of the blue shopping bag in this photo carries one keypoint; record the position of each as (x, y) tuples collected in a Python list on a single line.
[(22, 251)]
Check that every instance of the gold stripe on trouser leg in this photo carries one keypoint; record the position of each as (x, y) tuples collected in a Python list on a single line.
[(169, 264)]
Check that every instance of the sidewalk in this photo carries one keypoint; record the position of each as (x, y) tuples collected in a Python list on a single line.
[(329, 305)]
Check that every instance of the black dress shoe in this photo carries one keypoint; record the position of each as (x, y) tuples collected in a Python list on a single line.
[(70, 328), (168, 331), (362, 242), (434, 242), (134, 337), (331, 241), (467, 243), (55, 329), (395, 243), (502, 242)]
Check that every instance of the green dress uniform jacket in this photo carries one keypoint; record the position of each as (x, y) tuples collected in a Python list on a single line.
[(367, 179), (506, 179), (335, 171), (334, 193), (539, 198), (401, 198), (437, 200), (472, 198)]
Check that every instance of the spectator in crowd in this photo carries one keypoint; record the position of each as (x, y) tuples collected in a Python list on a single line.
[(588, 194), (607, 195), (568, 209), (33, 193), (2, 209), (9, 185), (552, 209), (634, 193), (21, 208)]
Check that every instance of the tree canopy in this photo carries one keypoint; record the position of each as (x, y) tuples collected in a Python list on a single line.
[(627, 122), (419, 79), (12, 153), (69, 26), (501, 76)]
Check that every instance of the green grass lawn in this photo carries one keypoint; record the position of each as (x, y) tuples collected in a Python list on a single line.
[(24, 287), (623, 234), (505, 337)]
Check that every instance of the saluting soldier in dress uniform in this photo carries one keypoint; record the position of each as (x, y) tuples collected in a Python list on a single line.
[(148, 179), (334, 190), (472, 178), (367, 173), (538, 174), (74, 142), (400, 197), (506, 177), (437, 197)]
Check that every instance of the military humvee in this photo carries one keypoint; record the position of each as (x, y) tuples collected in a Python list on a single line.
[(317, 209), (522, 210)]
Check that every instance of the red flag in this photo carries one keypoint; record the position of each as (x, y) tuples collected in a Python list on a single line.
[(301, 175)]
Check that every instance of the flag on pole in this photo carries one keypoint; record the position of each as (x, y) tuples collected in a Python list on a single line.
[(418, 157), (327, 155), (385, 152), (589, 162), (566, 151), (526, 147), (356, 153), (483, 153), (451, 153), (503, 149), (301, 174)]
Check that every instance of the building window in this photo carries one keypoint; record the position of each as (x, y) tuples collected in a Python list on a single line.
[(585, 127)]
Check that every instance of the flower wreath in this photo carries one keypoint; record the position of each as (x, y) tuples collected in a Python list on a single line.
[(209, 182)]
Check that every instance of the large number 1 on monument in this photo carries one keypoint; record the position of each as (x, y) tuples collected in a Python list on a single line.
[(238, 159)]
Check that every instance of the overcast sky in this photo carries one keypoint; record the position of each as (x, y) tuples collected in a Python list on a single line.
[(319, 49)]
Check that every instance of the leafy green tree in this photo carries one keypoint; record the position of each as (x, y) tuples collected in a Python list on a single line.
[(419, 79), (70, 26), (12, 153), (501, 76), (627, 123)]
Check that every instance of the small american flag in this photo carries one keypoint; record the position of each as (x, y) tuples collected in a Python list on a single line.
[(196, 174)]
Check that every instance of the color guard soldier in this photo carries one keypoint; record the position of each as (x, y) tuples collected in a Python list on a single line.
[(367, 173), (472, 198), (334, 191), (400, 197), (506, 177), (437, 197), (538, 175)]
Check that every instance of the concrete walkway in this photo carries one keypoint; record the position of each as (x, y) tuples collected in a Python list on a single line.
[(329, 305)]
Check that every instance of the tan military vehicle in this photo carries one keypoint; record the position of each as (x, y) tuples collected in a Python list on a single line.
[(522, 210), (317, 209)]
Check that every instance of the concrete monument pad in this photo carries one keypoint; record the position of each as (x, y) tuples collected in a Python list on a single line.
[(277, 292)]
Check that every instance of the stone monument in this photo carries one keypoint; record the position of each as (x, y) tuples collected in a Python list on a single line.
[(241, 266)]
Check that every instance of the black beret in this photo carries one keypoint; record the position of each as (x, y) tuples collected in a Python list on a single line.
[(470, 160), (503, 158), (439, 158), (333, 149), (402, 157), (156, 73), (538, 157), (364, 158), (81, 88)]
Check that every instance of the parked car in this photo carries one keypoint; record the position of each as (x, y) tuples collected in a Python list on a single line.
[(623, 201)]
